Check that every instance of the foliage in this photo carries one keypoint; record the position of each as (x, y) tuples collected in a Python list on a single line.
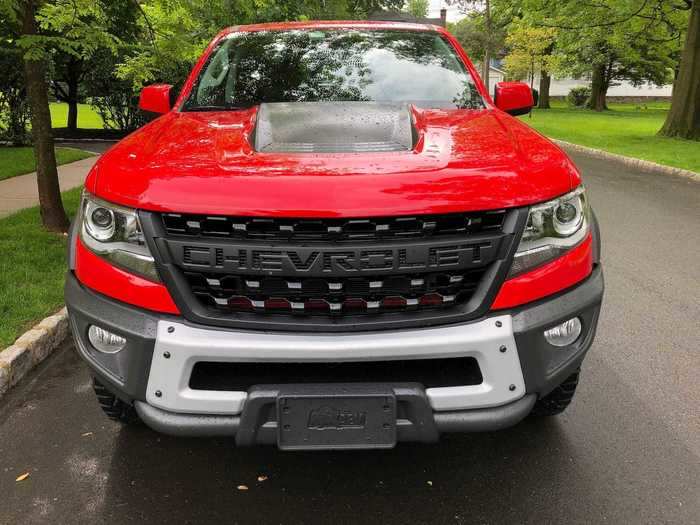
[(14, 110), (530, 51), (114, 99), (69, 72), (74, 27), (418, 8), (176, 31), (612, 40), (578, 96), (471, 35), (477, 32), (119, 108)]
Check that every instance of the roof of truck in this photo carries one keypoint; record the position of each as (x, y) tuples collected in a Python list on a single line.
[(327, 24)]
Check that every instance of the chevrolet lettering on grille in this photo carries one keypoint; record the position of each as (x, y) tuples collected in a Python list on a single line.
[(345, 260)]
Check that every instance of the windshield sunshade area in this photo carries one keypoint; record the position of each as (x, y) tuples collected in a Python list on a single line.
[(251, 68)]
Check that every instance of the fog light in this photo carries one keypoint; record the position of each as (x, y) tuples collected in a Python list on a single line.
[(105, 341), (564, 334)]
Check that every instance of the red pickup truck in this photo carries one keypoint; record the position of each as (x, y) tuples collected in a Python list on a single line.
[(334, 237)]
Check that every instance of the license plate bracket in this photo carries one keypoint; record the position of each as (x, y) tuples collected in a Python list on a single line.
[(346, 419)]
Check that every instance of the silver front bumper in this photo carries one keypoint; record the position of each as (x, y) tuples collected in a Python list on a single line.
[(178, 347)]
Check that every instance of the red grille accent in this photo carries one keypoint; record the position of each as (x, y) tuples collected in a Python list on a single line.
[(241, 304), (431, 299)]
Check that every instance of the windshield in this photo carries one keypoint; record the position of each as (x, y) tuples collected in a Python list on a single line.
[(249, 68)]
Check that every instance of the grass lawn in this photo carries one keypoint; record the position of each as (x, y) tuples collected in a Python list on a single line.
[(87, 117), (31, 271), (627, 129), (17, 161)]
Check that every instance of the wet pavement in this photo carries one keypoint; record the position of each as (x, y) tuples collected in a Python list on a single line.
[(627, 450)]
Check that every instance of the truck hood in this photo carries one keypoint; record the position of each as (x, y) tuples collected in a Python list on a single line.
[(460, 160)]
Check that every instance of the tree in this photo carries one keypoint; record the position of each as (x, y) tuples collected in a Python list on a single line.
[(68, 74), (178, 30), (53, 215), (546, 78), (45, 27), (530, 51), (114, 99), (418, 8), (482, 32), (468, 31), (683, 120), (611, 40), (528, 16), (481, 9)]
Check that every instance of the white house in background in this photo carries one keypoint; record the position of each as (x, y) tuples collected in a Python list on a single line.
[(560, 87)]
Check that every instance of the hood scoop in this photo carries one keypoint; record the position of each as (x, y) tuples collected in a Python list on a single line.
[(334, 127)]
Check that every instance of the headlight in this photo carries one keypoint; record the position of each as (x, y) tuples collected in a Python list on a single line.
[(552, 229), (114, 233)]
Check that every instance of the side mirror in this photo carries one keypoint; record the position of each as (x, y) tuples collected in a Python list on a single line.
[(156, 98), (515, 98)]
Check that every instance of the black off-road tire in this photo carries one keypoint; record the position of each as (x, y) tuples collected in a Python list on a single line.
[(113, 407), (558, 399)]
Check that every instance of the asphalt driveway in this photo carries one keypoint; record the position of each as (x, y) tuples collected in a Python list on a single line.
[(627, 451)]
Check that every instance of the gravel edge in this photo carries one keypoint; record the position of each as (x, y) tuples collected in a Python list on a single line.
[(642, 165), (31, 348)]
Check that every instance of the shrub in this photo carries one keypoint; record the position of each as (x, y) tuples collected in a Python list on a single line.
[(578, 96), (119, 109), (14, 108), (115, 100)]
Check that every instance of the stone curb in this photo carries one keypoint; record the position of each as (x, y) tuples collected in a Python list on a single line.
[(31, 348), (643, 165)]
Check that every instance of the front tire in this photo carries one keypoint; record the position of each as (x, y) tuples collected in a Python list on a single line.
[(558, 399), (113, 407)]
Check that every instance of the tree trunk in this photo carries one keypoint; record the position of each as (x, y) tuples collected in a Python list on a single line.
[(72, 115), (487, 51), (485, 70), (545, 81), (683, 120), (53, 216), (73, 82), (599, 89)]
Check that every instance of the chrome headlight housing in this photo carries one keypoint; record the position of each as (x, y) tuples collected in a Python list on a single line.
[(114, 233), (553, 228)]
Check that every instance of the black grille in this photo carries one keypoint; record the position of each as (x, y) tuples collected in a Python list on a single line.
[(431, 373), (333, 230), (333, 296), (333, 274)]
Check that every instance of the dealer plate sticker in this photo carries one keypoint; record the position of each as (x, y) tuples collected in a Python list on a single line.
[(336, 422)]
